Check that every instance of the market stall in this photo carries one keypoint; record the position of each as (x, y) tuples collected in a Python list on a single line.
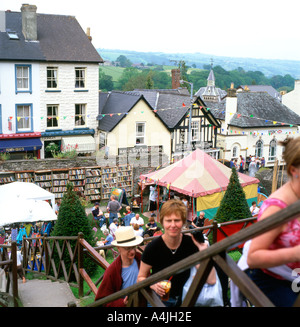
[(203, 179), (25, 202)]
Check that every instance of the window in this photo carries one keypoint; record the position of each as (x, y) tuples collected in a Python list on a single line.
[(140, 133), (80, 112), (272, 150), (102, 138), (235, 152), (259, 148), (52, 116), (12, 35), (24, 118), (52, 77), (195, 130), (23, 78), (79, 77)]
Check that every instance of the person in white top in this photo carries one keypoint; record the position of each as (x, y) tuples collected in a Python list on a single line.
[(138, 231), (254, 209), (153, 200), (137, 220), (114, 226)]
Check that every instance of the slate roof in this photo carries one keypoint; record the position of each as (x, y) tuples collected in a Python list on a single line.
[(60, 38), (169, 104), (114, 103), (265, 110), (262, 88), (217, 108)]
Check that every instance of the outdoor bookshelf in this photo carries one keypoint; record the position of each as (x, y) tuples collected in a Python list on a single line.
[(60, 179), (25, 176), (96, 183), (43, 178), (7, 177), (125, 179), (92, 188), (109, 181), (77, 178)]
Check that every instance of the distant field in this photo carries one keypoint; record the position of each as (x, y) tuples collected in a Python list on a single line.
[(114, 72)]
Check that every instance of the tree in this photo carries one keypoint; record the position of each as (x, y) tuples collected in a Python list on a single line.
[(234, 205), (123, 61), (72, 220), (105, 81)]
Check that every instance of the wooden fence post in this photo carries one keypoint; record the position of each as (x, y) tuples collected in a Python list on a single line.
[(80, 265), (47, 263), (14, 273), (215, 230)]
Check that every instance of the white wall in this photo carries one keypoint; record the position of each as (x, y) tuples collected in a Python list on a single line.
[(9, 98), (292, 99), (66, 98)]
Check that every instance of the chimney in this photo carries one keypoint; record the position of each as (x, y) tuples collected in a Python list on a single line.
[(232, 91), (2, 21), (231, 105), (175, 78), (29, 22), (88, 33)]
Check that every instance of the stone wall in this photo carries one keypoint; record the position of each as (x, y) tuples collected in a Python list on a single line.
[(41, 164)]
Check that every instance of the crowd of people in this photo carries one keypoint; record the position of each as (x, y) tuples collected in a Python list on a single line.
[(271, 260), (252, 164), (169, 247)]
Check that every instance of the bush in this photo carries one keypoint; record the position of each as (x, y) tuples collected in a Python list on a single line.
[(234, 205), (72, 220)]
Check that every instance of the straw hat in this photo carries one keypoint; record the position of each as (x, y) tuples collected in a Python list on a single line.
[(125, 237)]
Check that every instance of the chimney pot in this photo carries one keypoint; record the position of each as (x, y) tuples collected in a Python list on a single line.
[(88, 33), (232, 91)]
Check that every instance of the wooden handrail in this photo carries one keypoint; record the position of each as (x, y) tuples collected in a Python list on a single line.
[(11, 264), (277, 219)]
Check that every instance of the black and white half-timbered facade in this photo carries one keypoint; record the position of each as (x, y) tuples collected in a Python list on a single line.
[(173, 108)]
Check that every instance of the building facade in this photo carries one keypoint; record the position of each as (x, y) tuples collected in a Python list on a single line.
[(49, 84)]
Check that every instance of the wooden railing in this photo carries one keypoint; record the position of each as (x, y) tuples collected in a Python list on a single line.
[(41, 251), (10, 266), (216, 254)]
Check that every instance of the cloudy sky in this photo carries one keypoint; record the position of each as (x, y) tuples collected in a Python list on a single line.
[(256, 29)]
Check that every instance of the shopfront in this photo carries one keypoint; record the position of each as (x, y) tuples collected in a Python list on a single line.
[(21, 146)]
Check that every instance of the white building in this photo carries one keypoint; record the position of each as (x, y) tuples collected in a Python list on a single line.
[(49, 84), (292, 99), (253, 121)]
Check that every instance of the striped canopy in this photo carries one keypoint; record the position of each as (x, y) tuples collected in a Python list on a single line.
[(196, 175)]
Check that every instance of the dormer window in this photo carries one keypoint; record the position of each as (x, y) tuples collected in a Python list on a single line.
[(12, 35)]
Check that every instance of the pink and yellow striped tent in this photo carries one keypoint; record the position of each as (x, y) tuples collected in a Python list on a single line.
[(201, 177)]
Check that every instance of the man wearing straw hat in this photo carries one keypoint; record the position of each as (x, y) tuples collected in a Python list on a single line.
[(124, 269)]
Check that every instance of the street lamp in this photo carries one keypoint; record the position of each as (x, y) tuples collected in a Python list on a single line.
[(191, 108)]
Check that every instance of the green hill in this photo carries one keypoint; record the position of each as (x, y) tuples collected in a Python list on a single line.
[(268, 67)]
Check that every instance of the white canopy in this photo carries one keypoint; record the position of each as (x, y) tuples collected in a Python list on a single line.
[(25, 210), (24, 190), (24, 202)]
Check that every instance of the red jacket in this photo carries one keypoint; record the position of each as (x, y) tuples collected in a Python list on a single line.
[(112, 282)]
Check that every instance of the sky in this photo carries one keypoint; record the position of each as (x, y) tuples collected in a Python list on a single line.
[(263, 29)]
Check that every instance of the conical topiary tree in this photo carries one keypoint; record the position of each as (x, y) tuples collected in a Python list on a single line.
[(234, 205), (72, 220)]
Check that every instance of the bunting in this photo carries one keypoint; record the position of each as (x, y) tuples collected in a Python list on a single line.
[(238, 115)]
